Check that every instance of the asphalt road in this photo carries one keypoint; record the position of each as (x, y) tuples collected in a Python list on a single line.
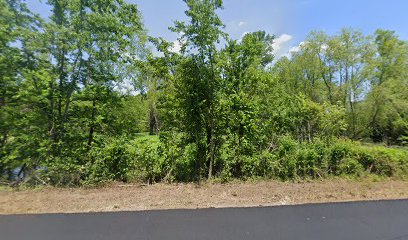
[(382, 220)]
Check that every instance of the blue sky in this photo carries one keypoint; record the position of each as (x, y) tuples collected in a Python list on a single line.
[(289, 20)]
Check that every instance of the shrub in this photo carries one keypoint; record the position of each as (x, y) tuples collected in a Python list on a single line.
[(169, 158), (178, 158), (387, 161), (121, 159), (148, 164), (64, 172), (350, 166), (375, 159), (112, 160), (338, 152)]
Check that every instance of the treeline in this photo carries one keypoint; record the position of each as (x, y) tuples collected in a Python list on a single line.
[(80, 91)]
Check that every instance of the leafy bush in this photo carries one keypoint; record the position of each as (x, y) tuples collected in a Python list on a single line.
[(167, 158), (350, 166), (111, 161), (123, 159), (146, 161), (179, 159), (293, 159), (374, 159), (64, 172)]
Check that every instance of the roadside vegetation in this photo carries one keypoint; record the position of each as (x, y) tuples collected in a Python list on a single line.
[(87, 97)]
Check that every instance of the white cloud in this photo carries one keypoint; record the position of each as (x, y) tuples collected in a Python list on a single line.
[(280, 45), (280, 41), (176, 48), (294, 49), (242, 24), (297, 48)]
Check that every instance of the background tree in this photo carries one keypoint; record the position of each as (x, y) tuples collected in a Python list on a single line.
[(386, 101)]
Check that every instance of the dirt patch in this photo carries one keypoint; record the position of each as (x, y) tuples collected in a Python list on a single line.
[(120, 197)]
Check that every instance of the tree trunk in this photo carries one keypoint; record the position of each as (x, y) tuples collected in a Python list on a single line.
[(4, 131), (91, 127), (211, 115), (61, 82), (153, 122), (211, 151)]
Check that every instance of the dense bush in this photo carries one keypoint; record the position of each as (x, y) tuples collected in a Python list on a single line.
[(64, 172), (152, 159), (293, 159)]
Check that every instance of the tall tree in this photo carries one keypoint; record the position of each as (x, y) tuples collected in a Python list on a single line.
[(94, 45), (23, 73), (387, 99), (244, 86), (199, 77)]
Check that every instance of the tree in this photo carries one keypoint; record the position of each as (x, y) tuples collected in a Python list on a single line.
[(23, 70), (332, 68), (198, 77), (387, 99), (243, 86), (64, 79), (353, 53), (95, 44)]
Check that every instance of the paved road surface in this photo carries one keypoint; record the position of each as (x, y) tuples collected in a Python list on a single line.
[(382, 220)]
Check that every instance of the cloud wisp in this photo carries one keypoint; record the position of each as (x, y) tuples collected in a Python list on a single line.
[(281, 45)]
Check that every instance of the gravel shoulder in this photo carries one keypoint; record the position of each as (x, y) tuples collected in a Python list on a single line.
[(135, 197)]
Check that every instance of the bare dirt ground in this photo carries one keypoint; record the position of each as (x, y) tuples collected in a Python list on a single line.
[(120, 197)]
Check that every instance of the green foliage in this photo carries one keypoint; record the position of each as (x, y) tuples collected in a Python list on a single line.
[(124, 160), (290, 159), (372, 158), (305, 119), (178, 157), (64, 172), (386, 104), (80, 89)]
